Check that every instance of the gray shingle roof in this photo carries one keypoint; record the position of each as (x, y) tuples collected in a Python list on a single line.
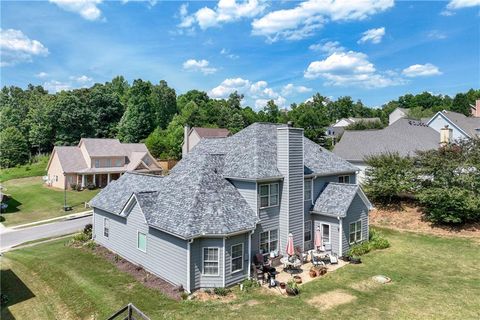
[(336, 198), (103, 147), (467, 124), (252, 154), (71, 158), (403, 136), (116, 194)]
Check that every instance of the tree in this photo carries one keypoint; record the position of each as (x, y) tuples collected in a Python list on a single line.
[(365, 125), (13, 148), (164, 103), (310, 117), (138, 120), (388, 176), (107, 110), (42, 119)]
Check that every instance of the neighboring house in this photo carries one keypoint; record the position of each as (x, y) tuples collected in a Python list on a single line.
[(229, 199), (463, 127), (403, 136), (397, 114), (192, 136), (337, 129), (97, 162)]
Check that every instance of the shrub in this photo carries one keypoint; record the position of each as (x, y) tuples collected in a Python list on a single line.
[(73, 186), (184, 295), (87, 230), (221, 291), (90, 244), (249, 284), (91, 186), (81, 237), (376, 241)]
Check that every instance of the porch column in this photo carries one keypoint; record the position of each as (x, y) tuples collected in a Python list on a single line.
[(94, 180), (108, 178), (83, 181)]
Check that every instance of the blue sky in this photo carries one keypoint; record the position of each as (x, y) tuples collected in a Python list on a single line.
[(373, 50)]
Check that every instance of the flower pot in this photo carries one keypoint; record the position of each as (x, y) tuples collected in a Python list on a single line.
[(297, 279), (282, 285), (313, 273), (292, 291)]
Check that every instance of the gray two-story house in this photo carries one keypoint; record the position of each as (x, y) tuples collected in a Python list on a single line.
[(229, 199)]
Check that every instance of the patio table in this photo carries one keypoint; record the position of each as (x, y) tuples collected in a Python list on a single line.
[(290, 265)]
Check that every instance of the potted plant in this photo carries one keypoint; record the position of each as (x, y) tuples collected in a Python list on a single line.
[(283, 285), (292, 288), (297, 279)]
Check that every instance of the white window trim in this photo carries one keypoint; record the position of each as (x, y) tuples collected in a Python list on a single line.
[(329, 232), (203, 262), (350, 231), (269, 195), (311, 190), (344, 176), (231, 258), (146, 241), (268, 242), (104, 220), (305, 230)]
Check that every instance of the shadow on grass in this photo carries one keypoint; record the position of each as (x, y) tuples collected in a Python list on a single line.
[(15, 290), (12, 206)]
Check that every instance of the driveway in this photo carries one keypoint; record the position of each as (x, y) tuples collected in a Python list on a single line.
[(11, 237)]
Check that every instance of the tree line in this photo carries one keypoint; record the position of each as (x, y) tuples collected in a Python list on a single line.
[(33, 121)]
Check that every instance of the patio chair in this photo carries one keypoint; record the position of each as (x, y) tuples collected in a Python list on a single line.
[(301, 255), (315, 260), (259, 260), (258, 274)]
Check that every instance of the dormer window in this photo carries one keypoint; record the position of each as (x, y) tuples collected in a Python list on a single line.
[(344, 179), (268, 195)]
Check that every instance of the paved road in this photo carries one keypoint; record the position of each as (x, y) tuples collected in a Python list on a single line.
[(11, 237)]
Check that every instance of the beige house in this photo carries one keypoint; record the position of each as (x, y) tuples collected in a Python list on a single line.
[(97, 162), (192, 136)]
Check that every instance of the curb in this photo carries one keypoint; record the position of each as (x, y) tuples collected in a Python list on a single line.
[(62, 218)]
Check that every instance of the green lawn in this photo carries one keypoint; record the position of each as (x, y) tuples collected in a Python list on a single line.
[(33, 201), (30, 170), (433, 278)]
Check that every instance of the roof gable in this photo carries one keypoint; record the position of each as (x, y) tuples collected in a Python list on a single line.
[(102, 147), (336, 198)]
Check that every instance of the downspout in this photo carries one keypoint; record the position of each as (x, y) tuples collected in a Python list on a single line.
[(249, 251), (224, 257), (340, 236), (188, 265)]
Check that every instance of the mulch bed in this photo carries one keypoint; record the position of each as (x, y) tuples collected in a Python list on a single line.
[(146, 278)]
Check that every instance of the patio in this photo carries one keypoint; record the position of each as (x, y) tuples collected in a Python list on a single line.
[(303, 273)]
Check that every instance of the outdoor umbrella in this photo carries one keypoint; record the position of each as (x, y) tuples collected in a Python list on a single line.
[(290, 250), (318, 238)]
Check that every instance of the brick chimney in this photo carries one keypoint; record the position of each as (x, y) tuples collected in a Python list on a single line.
[(290, 165), (446, 135), (475, 110)]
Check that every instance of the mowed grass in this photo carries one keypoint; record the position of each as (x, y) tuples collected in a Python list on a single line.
[(433, 278), (35, 169), (33, 201)]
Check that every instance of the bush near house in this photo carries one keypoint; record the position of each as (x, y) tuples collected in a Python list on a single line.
[(444, 182), (375, 241)]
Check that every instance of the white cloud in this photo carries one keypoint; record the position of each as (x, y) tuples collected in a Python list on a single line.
[(436, 35), (327, 47), (302, 20), (373, 35), (56, 86), (258, 91), (459, 4), (229, 55), (81, 79), (41, 75), (225, 11), (421, 70), (88, 9), (16, 47), (198, 65), (351, 68), (290, 89)]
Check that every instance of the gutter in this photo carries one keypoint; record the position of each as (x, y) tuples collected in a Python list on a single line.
[(256, 179), (329, 174)]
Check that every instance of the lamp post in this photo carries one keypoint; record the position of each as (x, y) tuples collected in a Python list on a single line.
[(65, 208)]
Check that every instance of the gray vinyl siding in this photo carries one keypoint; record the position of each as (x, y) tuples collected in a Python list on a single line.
[(269, 219), (248, 189), (319, 183), (233, 278), (160, 247), (357, 211), (334, 231), (290, 164), (198, 279)]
